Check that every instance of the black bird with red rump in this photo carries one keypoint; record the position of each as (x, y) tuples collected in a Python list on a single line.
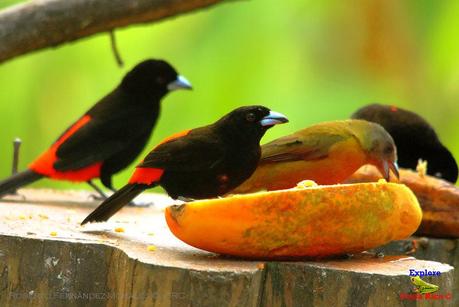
[(109, 136), (415, 139), (201, 163)]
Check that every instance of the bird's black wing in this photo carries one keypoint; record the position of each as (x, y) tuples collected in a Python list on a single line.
[(94, 142), (193, 152)]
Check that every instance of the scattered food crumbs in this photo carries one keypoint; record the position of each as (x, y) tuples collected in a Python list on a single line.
[(151, 248), (261, 266), (119, 229), (43, 216), (22, 217), (30, 216), (53, 233), (382, 180), (30, 233), (421, 168), (151, 233), (306, 184), (68, 219)]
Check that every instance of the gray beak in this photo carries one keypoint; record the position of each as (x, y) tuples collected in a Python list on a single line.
[(386, 167), (273, 118), (394, 168), (180, 83)]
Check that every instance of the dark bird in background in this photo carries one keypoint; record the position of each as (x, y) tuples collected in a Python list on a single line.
[(201, 163), (109, 136), (327, 153), (415, 139)]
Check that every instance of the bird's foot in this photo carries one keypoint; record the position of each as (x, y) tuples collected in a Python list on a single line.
[(96, 197), (15, 194), (140, 204), (185, 199)]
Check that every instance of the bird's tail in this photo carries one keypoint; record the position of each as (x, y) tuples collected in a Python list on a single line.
[(18, 180), (115, 202)]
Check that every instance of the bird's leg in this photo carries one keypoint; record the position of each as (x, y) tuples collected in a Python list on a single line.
[(133, 203), (107, 183), (130, 204), (140, 204), (101, 196), (185, 199)]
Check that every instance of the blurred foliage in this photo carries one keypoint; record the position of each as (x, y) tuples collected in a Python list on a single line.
[(311, 60)]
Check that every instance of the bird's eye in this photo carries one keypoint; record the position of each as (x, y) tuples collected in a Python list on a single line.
[(388, 150), (250, 117), (160, 80)]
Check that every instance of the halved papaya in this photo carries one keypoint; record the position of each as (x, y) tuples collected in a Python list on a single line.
[(317, 221)]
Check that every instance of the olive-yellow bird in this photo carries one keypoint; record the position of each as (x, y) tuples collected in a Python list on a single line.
[(327, 153)]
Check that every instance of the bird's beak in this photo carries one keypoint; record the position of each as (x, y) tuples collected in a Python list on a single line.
[(386, 166), (180, 83), (273, 118)]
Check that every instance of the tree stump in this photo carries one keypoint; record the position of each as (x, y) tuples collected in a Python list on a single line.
[(48, 259)]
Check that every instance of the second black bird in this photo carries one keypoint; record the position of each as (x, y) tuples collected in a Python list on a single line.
[(415, 139)]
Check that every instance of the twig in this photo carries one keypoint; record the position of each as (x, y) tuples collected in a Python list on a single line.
[(115, 50), (16, 146)]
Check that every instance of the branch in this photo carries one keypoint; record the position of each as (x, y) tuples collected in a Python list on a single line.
[(39, 24)]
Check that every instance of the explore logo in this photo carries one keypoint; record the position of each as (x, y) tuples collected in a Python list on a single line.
[(422, 289)]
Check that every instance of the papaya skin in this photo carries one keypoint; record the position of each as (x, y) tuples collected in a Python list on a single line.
[(439, 200), (313, 222)]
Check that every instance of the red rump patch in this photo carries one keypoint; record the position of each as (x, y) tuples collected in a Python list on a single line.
[(144, 175), (44, 164), (393, 108)]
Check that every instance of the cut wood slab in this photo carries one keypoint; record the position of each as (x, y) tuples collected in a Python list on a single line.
[(48, 259)]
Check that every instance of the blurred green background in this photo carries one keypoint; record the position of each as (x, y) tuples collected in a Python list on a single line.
[(311, 60)]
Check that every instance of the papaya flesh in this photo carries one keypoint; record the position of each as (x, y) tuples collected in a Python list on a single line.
[(315, 222), (438, 198)]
